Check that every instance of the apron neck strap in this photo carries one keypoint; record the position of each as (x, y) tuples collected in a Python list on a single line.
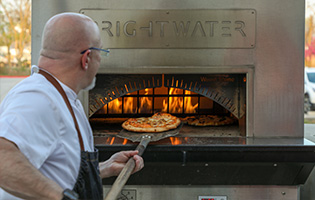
[(55, 83)]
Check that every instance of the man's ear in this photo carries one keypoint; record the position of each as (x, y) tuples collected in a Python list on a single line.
[(85, 59)]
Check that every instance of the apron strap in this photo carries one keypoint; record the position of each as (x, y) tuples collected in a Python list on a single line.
[(55, 83)]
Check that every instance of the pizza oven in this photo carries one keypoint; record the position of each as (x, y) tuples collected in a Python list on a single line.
[(239, 59), (181, 95)]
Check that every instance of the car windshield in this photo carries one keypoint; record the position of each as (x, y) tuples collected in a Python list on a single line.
[(311, 77)]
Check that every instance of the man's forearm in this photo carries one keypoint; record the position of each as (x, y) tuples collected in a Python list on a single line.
[(20, 178)]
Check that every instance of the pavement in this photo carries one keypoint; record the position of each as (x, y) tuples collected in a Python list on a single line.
[(310, 115), (307, 191), (309, 128)]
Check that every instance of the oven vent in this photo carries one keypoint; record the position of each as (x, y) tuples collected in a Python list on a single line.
[(228, 90)]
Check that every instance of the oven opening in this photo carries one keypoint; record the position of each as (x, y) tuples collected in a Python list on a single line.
[(119, 97)]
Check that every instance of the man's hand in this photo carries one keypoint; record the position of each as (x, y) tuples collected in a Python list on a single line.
[(114, 165)]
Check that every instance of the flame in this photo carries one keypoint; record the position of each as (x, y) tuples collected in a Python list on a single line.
[(175, 141), (178, 140), (125, 141), (145, 103), (129, 105), (114, 106), (189, 108), (112, 141), (173, 104), (176, 103)]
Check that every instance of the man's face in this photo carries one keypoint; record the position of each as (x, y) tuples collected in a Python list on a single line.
[(95, 58)]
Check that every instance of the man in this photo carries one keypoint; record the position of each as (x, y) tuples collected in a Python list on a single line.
[(40, 140)]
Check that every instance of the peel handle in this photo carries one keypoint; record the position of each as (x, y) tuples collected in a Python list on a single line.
[(127, 170)]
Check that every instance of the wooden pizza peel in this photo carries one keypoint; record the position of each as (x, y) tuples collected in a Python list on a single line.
[(144, 139)]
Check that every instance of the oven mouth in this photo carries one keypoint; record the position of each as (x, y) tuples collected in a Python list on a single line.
[(118, 97)]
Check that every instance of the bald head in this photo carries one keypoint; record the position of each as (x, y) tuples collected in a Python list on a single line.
[(68, 33), (65, 36)]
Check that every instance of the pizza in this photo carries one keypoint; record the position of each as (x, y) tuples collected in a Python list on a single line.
[(209, 120), (159, 122)]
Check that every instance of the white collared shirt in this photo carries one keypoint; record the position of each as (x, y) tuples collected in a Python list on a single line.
[(35, 117)]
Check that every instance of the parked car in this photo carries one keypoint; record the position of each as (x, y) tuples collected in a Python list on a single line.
[(309, 89)]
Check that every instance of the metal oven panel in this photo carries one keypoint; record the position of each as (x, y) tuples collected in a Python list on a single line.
[(260, 39), (273, 48), (135, 192), (146, 29)]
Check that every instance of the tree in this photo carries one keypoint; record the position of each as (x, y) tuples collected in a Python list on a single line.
[(15, 26), (6, 38)]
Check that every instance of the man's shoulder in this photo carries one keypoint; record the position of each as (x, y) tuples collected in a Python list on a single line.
[(34, 91), (35, 84)]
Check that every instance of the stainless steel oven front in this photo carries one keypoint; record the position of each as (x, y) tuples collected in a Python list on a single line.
[(237, 58)]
